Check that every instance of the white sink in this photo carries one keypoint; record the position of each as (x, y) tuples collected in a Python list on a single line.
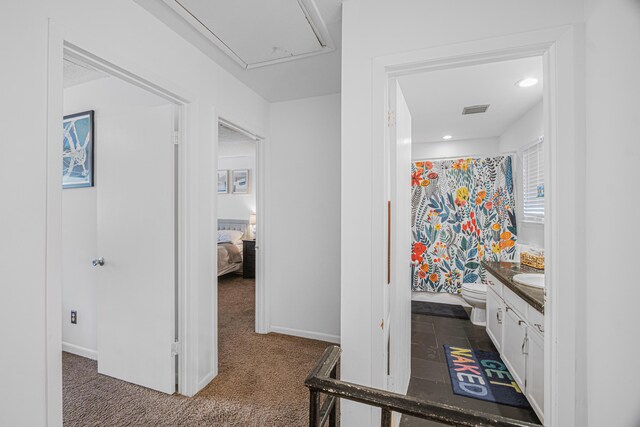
[(533, 280)]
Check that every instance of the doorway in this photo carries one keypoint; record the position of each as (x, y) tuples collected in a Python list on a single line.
[(476, 166), (240, 165), (119, 229), (556, 47), (237, 241)]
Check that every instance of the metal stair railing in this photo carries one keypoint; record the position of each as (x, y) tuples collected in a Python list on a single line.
[(322, 380)]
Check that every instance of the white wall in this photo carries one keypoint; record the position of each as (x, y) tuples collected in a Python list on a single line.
[(109, 97), (612, 174), (238, 206), (121, 32), (22, 217), (522, 133), (303, 206), (372, 29), (446, 149)]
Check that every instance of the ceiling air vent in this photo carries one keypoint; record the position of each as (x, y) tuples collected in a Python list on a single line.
[(475, 109)]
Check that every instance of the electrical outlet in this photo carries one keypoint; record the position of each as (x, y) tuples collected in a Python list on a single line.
[(74, 317)]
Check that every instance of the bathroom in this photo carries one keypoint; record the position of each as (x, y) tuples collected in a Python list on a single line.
[(478, 237)]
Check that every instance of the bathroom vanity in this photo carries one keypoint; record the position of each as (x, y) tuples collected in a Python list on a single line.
[(515, 324)]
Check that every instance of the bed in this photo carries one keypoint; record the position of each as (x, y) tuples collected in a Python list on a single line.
[(230, 235)]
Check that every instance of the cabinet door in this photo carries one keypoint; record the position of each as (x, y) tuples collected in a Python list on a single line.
[(535, 372), (513, 345), (495, 318)]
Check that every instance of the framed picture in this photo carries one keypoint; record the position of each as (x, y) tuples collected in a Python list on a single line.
[(223, 181), (240, 181), (77, 150)]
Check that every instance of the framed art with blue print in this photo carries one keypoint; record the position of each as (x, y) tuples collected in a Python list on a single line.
[(77, 150)]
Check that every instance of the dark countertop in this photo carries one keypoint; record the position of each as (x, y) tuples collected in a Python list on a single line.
[(504, 271)]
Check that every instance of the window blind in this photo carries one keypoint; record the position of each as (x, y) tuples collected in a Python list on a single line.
[(533, 179)]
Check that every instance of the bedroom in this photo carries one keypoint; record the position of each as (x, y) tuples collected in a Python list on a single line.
[(251, 358)]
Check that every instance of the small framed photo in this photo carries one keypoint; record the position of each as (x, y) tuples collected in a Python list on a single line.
[(77, 150), (240, 181), (223, 181)]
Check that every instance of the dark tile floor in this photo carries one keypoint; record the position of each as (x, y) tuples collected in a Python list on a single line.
[(429, 374)]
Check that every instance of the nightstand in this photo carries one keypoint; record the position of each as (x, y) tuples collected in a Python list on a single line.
[(249, 259)]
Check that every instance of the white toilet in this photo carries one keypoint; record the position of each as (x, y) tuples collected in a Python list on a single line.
[(475, 294)]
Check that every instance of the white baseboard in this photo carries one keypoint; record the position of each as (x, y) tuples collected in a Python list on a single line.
[(439, 297), (206, 380), (80, 351), (335, 339)]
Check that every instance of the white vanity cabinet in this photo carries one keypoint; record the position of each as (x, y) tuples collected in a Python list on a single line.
[(495, 317), (517, 331), (513, 345)]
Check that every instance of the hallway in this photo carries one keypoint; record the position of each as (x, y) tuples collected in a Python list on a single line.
[(260, 381)]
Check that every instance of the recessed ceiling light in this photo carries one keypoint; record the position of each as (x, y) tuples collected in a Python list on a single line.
[(528, 82), (447, 137)]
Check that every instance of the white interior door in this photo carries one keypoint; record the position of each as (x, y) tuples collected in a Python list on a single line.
[(136, 237), (400, 196)]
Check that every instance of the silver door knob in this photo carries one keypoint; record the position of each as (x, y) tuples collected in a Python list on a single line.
[(98, 261)]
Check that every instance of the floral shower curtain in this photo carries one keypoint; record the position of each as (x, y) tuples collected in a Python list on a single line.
[(463, 211)]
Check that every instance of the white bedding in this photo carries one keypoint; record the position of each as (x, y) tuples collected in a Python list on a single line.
[(228, 259)]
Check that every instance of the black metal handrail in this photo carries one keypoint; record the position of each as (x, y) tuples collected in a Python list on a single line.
[(322, 380)]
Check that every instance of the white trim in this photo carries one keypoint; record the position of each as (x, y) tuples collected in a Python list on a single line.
[(231, 126), (207, 379), (564, 121), (263, 287), (53, 278), (531, 144), (105, 59), (439, 297), (335, 339), (80, 351), (262, 308)]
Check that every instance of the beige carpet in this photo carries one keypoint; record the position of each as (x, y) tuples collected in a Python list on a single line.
[(260, 381)]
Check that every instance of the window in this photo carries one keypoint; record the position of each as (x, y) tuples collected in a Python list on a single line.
[(533, 180)]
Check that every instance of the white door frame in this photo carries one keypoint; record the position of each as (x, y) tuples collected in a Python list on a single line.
[(121, 67), (262, 308), (561, 49)]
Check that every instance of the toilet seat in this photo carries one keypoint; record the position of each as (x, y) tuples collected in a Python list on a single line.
[(474, 288)]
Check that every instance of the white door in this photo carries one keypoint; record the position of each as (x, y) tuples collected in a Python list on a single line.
[(136, 238), (399, 288)]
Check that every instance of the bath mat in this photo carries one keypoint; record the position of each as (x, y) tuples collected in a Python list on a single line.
[(482, 375), (437, 309)]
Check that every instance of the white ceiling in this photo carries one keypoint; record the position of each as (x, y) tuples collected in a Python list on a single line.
[(234, 144), (254, 32), (75, 73), (436, 99), (301, 78)]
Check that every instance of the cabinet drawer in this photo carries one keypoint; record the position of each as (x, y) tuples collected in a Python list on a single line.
[(494, 284), (515, 302), (535, 320)]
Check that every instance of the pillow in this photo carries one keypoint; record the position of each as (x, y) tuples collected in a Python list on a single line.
[(230, 236)]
